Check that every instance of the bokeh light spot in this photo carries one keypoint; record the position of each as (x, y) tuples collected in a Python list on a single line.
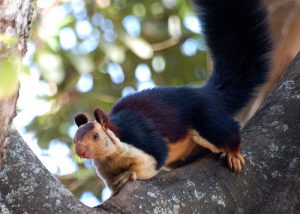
[(85, 83), (127, 91), (189, 47), (158, 64), (83, 28), (192, 23), (67, 38), (89, 199), (116, 73), (106, 193), (142, 73), (139, 10), (132, 25)]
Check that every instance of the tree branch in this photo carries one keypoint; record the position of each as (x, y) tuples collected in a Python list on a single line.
[(270, 183), (26, 185)]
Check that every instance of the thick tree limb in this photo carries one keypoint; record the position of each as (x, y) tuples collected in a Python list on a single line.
[(26, 185), (270, 182)]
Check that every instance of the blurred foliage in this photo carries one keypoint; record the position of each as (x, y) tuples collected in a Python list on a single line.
[(82, 181), (8, 40), (9, 69), (9, 66), (103, 40)]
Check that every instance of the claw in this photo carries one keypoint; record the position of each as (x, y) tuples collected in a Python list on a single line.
[(133, 176), (229, 162), (121, 180), (223, 155), (235, 161)]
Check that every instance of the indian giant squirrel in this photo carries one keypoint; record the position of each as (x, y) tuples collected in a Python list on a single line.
[(165, 125)]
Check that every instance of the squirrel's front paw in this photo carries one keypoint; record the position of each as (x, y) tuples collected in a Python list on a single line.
[(121, 179)]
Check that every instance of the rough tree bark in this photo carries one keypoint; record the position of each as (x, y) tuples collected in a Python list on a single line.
[(270, 182), (284, 19), (15, 17)]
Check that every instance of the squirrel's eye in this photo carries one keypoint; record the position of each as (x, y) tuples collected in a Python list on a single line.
[(96, 137)]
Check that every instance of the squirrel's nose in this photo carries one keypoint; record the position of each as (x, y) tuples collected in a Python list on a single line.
[(80, 150)]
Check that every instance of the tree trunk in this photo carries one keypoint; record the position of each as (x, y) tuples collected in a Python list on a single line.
[(15, 17)]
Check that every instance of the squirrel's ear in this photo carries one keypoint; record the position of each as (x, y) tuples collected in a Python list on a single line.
[(101, 117), (81, 119)]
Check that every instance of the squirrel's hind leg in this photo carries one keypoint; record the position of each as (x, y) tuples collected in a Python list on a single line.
[(203, 142), (234, 158)]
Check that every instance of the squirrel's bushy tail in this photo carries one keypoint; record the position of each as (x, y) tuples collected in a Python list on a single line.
[(237, 35)]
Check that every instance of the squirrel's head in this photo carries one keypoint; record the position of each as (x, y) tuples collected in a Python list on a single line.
[(94, 139)]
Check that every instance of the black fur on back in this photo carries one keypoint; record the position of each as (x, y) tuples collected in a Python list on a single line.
[(237, 35)]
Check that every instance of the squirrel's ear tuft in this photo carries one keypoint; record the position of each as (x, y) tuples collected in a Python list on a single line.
[(81, 119), (101, 117)]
